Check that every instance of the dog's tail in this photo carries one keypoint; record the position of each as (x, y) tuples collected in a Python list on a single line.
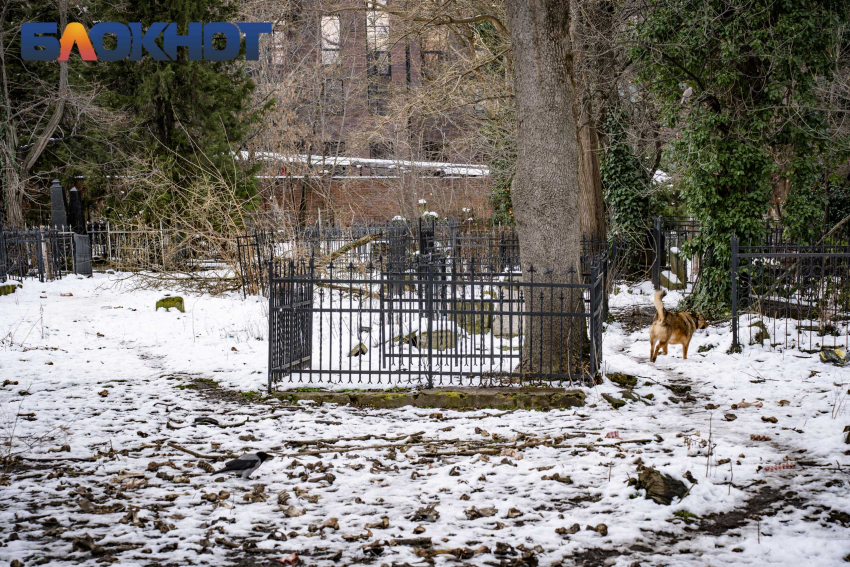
[(659, 307)]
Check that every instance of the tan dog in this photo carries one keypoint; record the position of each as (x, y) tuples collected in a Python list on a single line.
[(675, 328)]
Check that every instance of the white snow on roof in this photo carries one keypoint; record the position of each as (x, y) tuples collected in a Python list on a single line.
[(467, 169)]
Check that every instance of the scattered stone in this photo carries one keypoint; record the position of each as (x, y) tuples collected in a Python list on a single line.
[(292, 511), (475, 513), (382, 525), (358, 350), (504, 549), (558, 478), (769, 419), (168, 302), (87, 544), (615, 403), (624, 380), (601, 529), (426, 514), (660, 488), (730, 416), (204, 420), (574, 529), (834, 356), (89, 508), (629, 395)]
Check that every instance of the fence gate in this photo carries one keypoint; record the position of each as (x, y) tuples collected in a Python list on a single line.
[(290, 321), (250, 264)]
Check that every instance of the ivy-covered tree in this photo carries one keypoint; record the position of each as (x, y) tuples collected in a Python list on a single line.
[(737, 80), (625, 184), (190, 114)]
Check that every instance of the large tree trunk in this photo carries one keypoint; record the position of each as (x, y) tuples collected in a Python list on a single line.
[(545, 187)]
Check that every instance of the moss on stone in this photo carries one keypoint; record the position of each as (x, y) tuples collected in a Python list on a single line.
[(168, 302), (624, 380)]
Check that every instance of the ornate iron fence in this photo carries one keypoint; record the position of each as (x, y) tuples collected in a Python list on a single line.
[(792, 295), (45, 254), (469, 248), (426, 324)]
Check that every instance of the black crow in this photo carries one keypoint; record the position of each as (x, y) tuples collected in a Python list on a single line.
[(246, 464)]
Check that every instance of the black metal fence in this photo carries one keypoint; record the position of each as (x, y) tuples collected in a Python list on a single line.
[(789, 294), (44, 254), (469, 248), (427, 324)]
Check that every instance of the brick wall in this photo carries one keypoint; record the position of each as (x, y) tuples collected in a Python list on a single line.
[(352, 199)]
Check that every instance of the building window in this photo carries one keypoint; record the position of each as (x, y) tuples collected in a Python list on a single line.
[(381, 150), (378, 39), (377, 27), (433, 51), (378, 64), (378, 95), (330, 39), (333, 96)]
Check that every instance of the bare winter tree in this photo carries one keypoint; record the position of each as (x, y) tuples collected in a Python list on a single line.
[(27, 131), (545, 189)]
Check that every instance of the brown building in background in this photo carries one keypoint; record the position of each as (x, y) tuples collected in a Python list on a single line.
[(347, 135)]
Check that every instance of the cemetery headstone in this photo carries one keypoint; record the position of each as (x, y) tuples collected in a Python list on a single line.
[(58, 207), (76, 219), (82, 255)]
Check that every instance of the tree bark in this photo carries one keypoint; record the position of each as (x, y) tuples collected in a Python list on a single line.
[(545, 187), (591, 206)]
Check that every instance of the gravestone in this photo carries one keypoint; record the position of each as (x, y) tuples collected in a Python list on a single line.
[(82, 255), (76, 219), (58, 207)]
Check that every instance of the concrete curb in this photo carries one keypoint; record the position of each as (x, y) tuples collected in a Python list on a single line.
[(448, 398)]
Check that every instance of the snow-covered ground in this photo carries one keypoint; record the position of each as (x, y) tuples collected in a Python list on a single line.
[(101, 396)]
